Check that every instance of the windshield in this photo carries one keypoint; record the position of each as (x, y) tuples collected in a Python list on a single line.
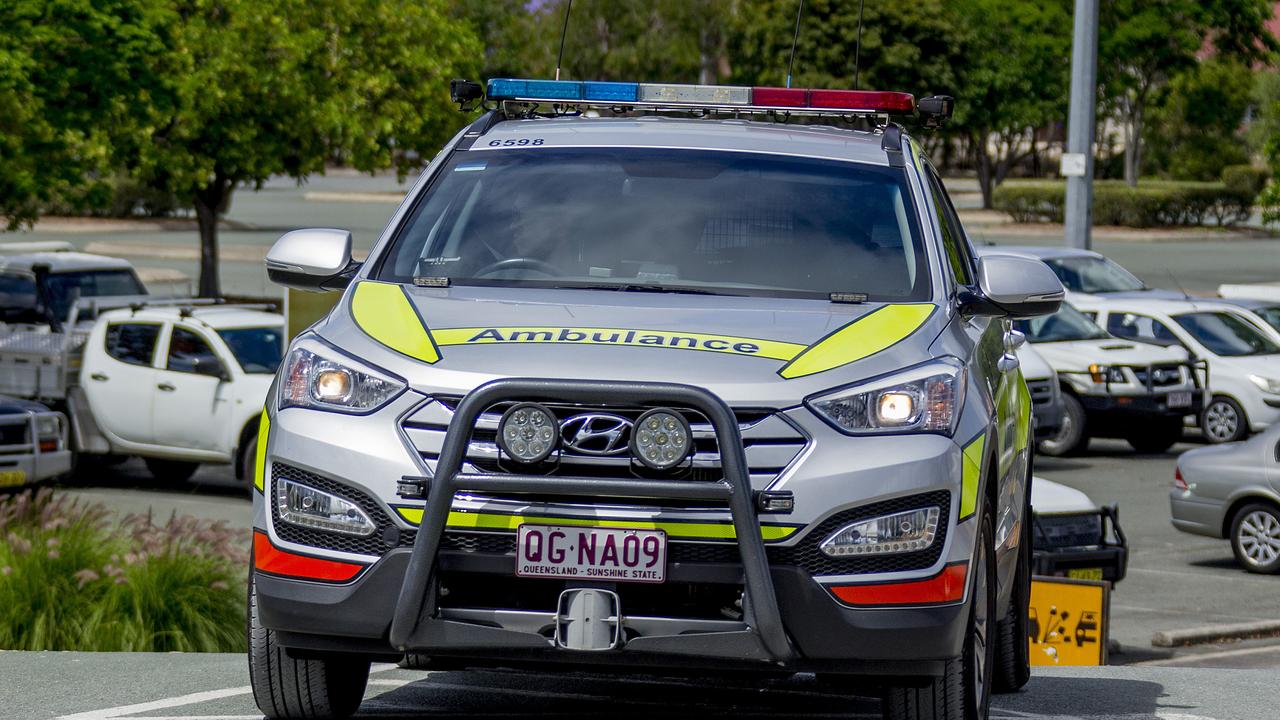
[(665, 220), (18, 302), (1066, 324), (258, 350), (1225, 334), (1093, 275), (66, 287), (1270, 315)]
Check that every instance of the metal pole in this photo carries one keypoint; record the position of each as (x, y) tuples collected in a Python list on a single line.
[(1077, 162)]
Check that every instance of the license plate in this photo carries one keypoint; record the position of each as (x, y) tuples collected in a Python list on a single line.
[(10, 478), (591, 553), (1179, 399), (1085, 573)]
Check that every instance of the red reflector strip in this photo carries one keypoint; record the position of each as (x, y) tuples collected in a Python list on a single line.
[(48, 445), (270, 559), (862, 100), (946, 586), (779, 97)]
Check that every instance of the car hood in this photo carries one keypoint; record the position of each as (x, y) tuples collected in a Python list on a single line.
[(1078, 355), (1264, 365), (1048, 496), (746, 349)]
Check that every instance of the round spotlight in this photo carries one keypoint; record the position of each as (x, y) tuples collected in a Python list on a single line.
[(528, 432), (661, 439)]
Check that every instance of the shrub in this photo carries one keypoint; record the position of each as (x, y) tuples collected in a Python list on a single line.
[(73, 579), (1245, 178), (1154, 203)]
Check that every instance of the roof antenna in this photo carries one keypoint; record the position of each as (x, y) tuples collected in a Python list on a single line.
[(857, 52), (563, 31), (794, 39), (1185, 295)]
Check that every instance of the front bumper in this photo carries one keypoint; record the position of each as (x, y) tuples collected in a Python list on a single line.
[(1128, 406), (1107, 553), (26, 462), (402, 601)]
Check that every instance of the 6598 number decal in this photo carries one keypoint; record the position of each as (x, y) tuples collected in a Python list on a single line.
[(514, 142)]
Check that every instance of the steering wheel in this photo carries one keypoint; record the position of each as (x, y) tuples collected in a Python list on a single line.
[(526, 263)]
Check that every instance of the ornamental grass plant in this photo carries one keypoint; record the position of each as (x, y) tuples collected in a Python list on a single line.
[(72, 577)]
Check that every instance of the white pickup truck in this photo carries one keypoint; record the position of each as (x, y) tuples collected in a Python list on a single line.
[(178, 386), (171, 380)]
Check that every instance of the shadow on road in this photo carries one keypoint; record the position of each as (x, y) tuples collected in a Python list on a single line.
[(1084, 697)]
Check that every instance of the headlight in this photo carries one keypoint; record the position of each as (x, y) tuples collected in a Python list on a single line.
[(661, 439), (312, 381), (306, 506), (47, 427), (528, 432), (897, 533), (1104, 374), (1267, 385), (926, 398)]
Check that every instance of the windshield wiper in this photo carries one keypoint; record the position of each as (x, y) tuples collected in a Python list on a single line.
[(657, 288)]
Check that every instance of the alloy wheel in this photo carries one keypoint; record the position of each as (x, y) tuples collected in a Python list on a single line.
[(1259, 537), (1221, 421), (981, 625)]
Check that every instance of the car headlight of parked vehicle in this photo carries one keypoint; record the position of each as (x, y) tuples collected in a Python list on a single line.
[(1267, 385), (1104, 374), (897, 533), (325, 383), (923, 399)]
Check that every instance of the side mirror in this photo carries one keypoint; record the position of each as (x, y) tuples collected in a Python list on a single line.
[(1015, 287), (315, 260)]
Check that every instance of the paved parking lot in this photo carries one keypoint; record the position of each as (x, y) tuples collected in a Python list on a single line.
[(213, 687)]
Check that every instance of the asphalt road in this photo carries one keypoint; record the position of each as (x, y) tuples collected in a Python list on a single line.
[(76, 686)]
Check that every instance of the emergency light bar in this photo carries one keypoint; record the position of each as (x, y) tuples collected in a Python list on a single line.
[(701, 96)]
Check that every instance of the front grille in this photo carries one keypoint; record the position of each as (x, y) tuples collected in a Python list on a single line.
[(1041, 391), (711, 601), (770, 443), (383, 539), (1161, 375), (806, 554)]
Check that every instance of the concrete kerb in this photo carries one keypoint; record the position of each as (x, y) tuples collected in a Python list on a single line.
[(1216, 633)]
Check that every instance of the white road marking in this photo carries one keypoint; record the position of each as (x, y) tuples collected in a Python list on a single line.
[(1200, 657), (124, 711)]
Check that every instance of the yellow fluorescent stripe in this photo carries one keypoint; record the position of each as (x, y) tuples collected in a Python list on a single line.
[(631, 337), (260, 453), (971, 475), (1024, 417), (493, 521), (384, 312), (861, 338)]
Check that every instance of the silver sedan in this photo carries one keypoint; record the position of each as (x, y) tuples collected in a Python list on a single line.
[(1232, 491)]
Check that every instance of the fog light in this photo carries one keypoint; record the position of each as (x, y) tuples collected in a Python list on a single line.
[(661, 439), (528, 432), (308, 507), (897, 533)]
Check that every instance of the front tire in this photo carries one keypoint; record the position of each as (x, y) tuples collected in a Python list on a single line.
[(1013, 653), (1073, 434), (1223, 420), (286, 688), (963, 692), (1255, 538)]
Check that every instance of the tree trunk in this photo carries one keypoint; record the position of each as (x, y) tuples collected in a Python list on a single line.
[(982, 161), (210, 202)]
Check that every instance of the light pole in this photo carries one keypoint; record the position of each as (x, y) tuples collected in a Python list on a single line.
[(1077, 162)]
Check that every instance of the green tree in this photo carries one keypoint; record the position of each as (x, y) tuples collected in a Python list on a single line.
[(77, 83), (1012, 82), (1145, 43), (282, 88), (1194, 130)]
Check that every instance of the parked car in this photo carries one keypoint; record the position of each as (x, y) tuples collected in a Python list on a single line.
[(1113, 387), (1263, 313), (1243, 389), (1084, 272), (63, 289), (180, 386), (1232, 491), (1071, 536), (1046, 395), (33, 443)]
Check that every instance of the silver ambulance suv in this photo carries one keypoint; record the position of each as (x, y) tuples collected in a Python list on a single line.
[(644, 378)]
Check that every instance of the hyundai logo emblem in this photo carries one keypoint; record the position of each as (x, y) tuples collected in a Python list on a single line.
[(596, 434)]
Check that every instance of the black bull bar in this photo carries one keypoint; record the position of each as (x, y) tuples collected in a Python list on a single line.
[(416, 625)]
